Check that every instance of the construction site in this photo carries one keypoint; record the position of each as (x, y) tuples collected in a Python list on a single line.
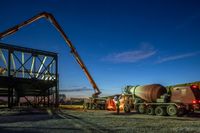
[(34, 98)]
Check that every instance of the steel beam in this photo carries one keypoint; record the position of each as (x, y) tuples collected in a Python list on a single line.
[(42, 64), (3, 58), (23, 64), (32, 65), (13, 63)]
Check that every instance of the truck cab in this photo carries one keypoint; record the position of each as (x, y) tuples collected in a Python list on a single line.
[(187, 95)]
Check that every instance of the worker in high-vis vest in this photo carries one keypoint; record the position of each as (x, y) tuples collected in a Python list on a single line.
[(117, 103)]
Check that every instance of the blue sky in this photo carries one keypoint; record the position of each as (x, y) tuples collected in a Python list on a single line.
[(122, 42)]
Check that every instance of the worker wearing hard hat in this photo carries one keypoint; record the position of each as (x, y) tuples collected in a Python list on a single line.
[(117, 103)]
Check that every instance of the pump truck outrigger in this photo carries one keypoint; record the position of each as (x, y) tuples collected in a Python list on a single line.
[(51, 19)]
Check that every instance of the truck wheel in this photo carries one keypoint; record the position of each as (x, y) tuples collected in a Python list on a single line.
[(98, 107), (84, 106), (87, 105), (102, 107), (160, 111), (136, 108), (150, 110), (181, 112), (141, 109), (90, 106), (127, 108), (94, 107), (190, 112), (171, 110)]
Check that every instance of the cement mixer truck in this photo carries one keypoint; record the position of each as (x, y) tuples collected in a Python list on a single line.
[(156, 99)]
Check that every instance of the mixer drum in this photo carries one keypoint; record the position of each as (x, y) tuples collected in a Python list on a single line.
[(149, 93)]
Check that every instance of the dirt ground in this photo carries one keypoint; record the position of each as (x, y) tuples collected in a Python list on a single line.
[(95, 121)]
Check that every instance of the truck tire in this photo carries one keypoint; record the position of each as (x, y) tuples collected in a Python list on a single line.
[(127, 108), (94, 106), (190, 112), (172, 110), (136, 108), (181, 112), (102, 107), (90, 106), (141, 109), (160, 111), (87, 105), (150, 110), (84, 106)]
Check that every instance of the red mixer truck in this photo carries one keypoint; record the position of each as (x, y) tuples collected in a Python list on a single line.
[(156, 99)]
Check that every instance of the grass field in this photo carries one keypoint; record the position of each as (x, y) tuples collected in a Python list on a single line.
[(96, 121)]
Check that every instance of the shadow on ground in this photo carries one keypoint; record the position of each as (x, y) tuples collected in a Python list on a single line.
[(6, 130), (86, 124), (195, 115), (15, 129), (22, 116)]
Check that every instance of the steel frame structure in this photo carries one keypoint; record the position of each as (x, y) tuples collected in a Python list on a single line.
[(28, 74)]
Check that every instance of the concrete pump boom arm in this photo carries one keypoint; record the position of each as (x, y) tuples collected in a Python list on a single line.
[(51, 18)]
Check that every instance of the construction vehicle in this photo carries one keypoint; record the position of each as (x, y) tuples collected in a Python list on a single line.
[(94, 103), (51, 19), (156, 99)]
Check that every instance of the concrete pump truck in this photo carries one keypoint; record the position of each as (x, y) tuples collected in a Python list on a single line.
[(92, 100)]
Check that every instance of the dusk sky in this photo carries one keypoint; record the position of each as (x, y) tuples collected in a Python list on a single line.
[(122, 42)]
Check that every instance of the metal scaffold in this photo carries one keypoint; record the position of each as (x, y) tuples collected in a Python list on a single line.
[(28, 76)]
